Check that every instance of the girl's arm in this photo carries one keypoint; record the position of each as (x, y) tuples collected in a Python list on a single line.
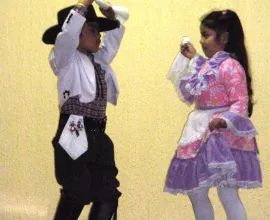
[(233, 76)]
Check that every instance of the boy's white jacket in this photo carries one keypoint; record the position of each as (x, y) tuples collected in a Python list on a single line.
[(75, 71)]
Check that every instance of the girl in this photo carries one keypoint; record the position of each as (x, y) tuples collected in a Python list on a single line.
[(218, 146)]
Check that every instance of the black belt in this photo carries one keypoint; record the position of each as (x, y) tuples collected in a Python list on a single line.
[(90, 124)]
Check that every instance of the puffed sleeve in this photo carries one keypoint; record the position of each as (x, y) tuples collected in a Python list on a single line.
[(233, 76), (196, 65)]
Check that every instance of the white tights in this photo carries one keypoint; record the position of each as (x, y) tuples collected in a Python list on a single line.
[(229, 198)]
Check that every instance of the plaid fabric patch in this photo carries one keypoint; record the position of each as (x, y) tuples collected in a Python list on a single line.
[(96, 108), (80, 9)]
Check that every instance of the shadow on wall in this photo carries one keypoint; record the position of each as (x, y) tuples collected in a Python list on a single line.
[(22, 208)]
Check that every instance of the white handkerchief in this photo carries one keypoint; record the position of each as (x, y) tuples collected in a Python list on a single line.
[(73, 138), (121, 13), (178, 69), (103, 4), (180, 66)]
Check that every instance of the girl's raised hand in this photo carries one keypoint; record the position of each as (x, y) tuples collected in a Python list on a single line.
[(188, 50)]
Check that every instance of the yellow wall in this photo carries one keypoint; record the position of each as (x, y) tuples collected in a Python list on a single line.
[(147, 121)]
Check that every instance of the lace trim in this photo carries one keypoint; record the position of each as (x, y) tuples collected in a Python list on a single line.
[(216, 180), (237, 184), (228, 168), (202, 86), (250, 134)]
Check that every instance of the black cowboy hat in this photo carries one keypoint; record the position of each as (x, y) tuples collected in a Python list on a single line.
[(104, 24)]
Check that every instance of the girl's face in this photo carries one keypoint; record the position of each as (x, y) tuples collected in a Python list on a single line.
[(210, 44)]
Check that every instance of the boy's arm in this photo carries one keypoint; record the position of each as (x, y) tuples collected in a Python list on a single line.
[(67, 41), (111, 41), (110, 45)]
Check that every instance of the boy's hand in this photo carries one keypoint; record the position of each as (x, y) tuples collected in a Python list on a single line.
[(109, 13), (86, 3), (188, 50)]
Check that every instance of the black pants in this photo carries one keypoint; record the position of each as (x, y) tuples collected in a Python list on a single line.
[(103, 210), (90, 178)]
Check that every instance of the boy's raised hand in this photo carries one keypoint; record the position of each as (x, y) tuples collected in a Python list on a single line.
[(86, 3), (108, 13)]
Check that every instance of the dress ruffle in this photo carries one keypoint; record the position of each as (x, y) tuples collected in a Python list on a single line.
[(239, 125), (216, 164)]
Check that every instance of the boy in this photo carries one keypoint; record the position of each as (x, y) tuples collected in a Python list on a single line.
[(84, 154)]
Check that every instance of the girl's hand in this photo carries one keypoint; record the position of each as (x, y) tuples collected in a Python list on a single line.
[(217, 123), (188, 50)]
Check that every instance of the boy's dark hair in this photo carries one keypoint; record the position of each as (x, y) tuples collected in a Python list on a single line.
[(228, 21)]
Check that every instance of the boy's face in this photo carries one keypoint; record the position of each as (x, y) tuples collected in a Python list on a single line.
[(210, 44), (90, 37)]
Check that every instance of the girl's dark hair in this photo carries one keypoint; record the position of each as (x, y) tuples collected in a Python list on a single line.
[(228, 21)]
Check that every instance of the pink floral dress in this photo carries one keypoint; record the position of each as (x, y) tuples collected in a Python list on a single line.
[(224, 157)]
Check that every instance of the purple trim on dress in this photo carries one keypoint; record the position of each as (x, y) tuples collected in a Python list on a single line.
[(239, 124), (212, 107), (198, 83), (183, 93), (215, 165), (199, 61)]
